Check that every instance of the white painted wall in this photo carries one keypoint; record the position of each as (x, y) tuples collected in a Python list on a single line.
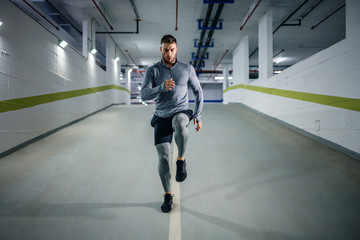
[(212, 92), (35, 65), (334, 71)]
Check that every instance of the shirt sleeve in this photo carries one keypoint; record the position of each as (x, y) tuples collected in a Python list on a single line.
[(148, 90), (194, 83)]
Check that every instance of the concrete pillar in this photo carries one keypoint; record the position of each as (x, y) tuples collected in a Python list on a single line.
[(226, 77), (266, 46), (86, 35), (225, 82), (113, 68), (241, 62), (128, 84), (352, 20), (93, 35)]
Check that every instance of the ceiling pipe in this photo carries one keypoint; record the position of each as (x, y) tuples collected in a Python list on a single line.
[(219, 62), (134, 8), (132, 60), (241, 28), (177, 11), (214, 23), (202, 34), (286, 19), (111, 27), (41, 15), (138, 19), (310, 10), (282, 23), (136, 32), (313, 27), (282, 50)]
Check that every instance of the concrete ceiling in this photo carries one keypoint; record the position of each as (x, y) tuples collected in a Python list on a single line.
[(158, 17)]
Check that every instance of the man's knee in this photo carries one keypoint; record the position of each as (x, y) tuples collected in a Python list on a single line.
[(179, 121), (163, 150)]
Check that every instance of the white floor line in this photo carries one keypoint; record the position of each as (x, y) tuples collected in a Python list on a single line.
[(175, 218)]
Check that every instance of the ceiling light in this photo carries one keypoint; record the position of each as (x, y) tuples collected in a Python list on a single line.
[(280, 60), (62, 43), (93, 51), (116, 59), (219, 78)]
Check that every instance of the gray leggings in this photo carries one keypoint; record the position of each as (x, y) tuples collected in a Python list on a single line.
[(179, 124)]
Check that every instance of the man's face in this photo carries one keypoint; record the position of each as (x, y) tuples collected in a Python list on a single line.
[(168, 51)]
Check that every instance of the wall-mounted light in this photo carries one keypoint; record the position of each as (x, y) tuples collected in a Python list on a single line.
[(116, 59), (62, 43), (93, 51)]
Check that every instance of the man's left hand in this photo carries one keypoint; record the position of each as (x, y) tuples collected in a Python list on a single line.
[(199, 124)]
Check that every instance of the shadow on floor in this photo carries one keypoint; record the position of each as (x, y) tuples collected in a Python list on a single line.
[(93, 210)]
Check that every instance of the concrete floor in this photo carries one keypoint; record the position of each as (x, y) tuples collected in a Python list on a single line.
[(248, 178)]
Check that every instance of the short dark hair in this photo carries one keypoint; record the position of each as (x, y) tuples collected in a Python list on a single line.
[(168, 39)]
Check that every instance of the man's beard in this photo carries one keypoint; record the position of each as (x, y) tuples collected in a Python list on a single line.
[(170, 63)]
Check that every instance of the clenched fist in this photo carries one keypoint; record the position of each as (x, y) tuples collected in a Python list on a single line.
[(169, 84)]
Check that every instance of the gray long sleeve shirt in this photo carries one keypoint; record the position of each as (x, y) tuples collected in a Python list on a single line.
[(169, 102)]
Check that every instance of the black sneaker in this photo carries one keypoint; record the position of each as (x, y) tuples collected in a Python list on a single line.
[(180, 170), (166, 206)]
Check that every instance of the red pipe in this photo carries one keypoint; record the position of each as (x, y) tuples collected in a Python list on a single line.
[(177, 8), (219, 62), (111, 27), (241, 28), (41, 15), (132, 60)]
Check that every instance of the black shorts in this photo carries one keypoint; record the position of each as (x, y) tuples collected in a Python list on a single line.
[(163, 131)]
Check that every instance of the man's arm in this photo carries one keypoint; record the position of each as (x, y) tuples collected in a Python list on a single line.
[(197, 90), (148, 91)]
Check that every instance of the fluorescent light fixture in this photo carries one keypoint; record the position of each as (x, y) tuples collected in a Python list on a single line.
[(93, 51), (116, 59), (278, 71), (1, 23), (62, 43), (280, 59), (230, 78), (219, 78)]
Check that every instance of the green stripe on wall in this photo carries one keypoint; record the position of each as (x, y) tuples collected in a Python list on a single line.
[(340, 102), (20, 103)]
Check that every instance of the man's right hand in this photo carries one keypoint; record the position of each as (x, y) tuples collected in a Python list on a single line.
[(169, 84)]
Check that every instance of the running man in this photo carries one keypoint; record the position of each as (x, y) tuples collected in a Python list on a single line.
[(167, 82)]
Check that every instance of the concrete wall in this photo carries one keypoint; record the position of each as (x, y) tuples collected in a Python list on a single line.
[(334, 72), (32, 64)]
